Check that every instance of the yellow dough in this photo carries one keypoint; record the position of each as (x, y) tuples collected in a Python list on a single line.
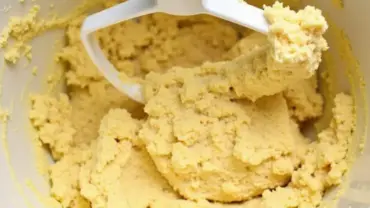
[(209, 145), (221, 126)]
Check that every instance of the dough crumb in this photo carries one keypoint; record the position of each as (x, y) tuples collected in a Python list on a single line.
[(304, 100), (19, 29), (6, 8), (34, 70), (52, 119), (293, 53), (23, 29), (324, 163)]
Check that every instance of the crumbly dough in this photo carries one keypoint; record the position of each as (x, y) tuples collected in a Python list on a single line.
[(15, 37), (91, 96), (52, 120), (209, 145), (221, 125), (220, 150), (304, 101)]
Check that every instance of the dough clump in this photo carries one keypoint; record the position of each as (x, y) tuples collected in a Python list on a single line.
[(221, 126), (211, 144)]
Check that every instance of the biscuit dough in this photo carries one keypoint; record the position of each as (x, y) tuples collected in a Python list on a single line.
[(222, 122), (211, 146)]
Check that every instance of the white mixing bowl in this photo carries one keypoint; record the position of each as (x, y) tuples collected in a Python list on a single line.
[(22, 186)]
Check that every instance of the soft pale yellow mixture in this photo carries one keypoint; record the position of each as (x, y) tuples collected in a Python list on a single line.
[(221, 126)]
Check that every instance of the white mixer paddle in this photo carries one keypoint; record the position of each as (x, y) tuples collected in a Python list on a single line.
[(236, 11)]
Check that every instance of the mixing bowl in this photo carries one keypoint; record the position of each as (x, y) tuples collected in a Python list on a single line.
[(347, 64)]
